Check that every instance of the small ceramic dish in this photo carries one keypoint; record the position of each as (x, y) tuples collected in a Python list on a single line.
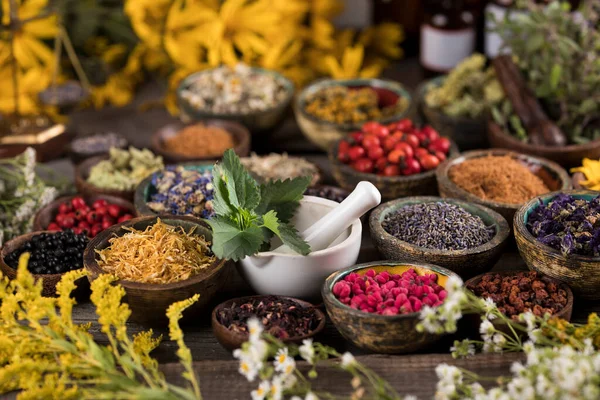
[(391, 187), (145, 190), (149, 302), (581, 273), (468, 133), (82, 172), (46, 215), (233, 340), (300, 276), (240, 136), (564, 313), (324, 133), (466, 263), (567, 156), (256, 122), (49, 281), (391, 334), (552, 174)]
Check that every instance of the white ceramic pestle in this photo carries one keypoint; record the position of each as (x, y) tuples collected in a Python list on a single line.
[(323, 232)]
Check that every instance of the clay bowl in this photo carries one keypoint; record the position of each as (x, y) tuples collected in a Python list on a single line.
[(324, 133), (380, 333), (46, 215), (567, 156), (234, 340), (82, 172), (564, 313), (241, 138), (145, 190), (466, 263), (581, 273), (468, 133), (49, 281), (391, 187), (552, 174), (149, 302), (256, 122)]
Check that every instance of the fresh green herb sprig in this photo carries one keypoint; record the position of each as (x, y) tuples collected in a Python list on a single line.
[(249, 214)]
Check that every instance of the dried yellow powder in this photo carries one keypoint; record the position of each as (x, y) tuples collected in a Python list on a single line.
[(159, 254)]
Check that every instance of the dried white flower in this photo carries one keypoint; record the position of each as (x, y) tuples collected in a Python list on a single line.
[(348, 360)]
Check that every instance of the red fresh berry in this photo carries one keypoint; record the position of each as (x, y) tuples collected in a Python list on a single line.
[(411, 139), (114, 210), (371, 140), (375, 152), (429, 162), (355, 153), (357, 137), (412, 167), (363, 165), (92, 218), (106, 224), (96, 229), (99, 203), (65, 208), (125, 217), (441, 144), (391, 170), (395, 156), (430, 133), (101, 211), (404, 125), (53, 227), (83, 225), (78, 202), (406, 148)]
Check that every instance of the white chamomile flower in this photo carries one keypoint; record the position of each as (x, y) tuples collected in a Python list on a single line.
[(281, 359), (453, 284), (258, 350), (255, 329), (248, 369), (499, 341), (261, 392), (348, 360), (289, 381), (307, 350), (276, 390), (486, 328), (288, 367), (529, 319), (489, 306)]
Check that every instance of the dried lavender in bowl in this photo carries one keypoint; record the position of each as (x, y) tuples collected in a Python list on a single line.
[(438, 226)]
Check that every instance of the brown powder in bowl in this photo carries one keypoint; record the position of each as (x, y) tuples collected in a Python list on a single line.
[(498, 178), (200, 140)]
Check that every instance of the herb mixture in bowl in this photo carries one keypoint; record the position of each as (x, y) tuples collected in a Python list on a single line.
[(568, 224), (280, 167), (237, 90), (181, 191), (200, 140), (438, 226), (159, 254)]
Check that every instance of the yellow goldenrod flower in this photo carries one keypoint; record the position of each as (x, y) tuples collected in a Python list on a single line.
[(107, 299), (350, 67)]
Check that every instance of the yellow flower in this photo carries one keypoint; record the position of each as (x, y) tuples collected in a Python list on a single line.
[(384, 38), (352, 62), (147, 19), (29, 50), (107, 299), (143, 344), (30, 83), (591, 170), (63, 289)]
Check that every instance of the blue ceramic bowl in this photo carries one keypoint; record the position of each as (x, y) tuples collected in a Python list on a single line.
[(581, 273), (145, 190)]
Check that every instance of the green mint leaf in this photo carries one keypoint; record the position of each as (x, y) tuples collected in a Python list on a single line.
[(229, 242), (221, 203), (290, 236), (282, 197), (271, 222), (242, 187)]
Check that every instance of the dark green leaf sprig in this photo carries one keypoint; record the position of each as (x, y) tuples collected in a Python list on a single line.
[(248, 214)]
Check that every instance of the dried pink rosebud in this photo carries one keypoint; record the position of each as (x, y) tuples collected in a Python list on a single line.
[(337, 288), (370, 273), (417, 305), (442, 294), (390, 311)]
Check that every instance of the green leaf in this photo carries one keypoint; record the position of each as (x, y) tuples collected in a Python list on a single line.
[(290, 236), (221, 203), (282, 197), (271, 222), (555, 74), (229, 242), (535, 42), (243, 189)]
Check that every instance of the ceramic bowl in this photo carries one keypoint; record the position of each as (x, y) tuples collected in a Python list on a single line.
[(564, 313), (149, 302), (391, 187), (552, 174), (567, 156), (466, 263), (256, 122), (240, 135), (468, 133), (49, 281), (82, 172), (390, 334), (294, 275), (233, 340), (46, 215), (145, 190), (581, 273), (324, 133)]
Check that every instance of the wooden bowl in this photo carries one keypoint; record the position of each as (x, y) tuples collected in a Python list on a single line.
[(257, 122), (46, 215), (466, 263), (391, 334), (149, 302), (324, 133), (564, 313), (82, 172), (145, 190), (391, 187), (581, 273), (552, 174), (468, 133), (234, 340), (567, 156), (240, 135), (49, 281)]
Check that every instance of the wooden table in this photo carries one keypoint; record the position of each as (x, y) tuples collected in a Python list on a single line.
[(409, 374)]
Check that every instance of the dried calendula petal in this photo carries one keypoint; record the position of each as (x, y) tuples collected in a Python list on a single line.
[(159, 254)]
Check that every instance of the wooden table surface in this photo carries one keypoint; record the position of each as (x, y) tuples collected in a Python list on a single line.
[(409, 374)]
